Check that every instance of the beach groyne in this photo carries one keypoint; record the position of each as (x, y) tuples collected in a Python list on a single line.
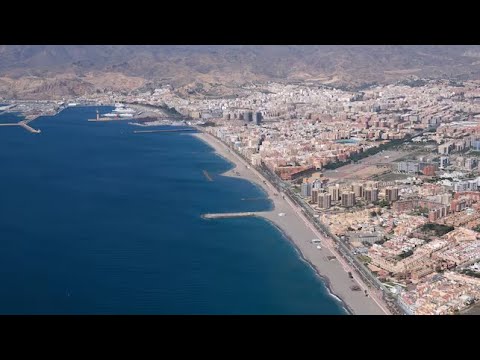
[(228, 215)]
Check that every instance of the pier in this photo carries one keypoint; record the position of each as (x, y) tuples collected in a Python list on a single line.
[(24, 124), (27, 127), (228, 215)]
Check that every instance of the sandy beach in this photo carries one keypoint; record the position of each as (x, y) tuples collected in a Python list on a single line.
[(297, 228)]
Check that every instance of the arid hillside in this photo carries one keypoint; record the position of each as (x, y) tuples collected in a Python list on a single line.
[(55, 71)]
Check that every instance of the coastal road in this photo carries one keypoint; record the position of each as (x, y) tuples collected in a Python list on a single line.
[(301, 232), (327, 242)]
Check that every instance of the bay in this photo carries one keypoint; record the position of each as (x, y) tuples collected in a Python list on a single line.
[(97, 220)]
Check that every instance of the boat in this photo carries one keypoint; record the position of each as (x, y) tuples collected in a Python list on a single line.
[(124, 110), (111, 115), (72, 104), (319, 247), (117, 115)]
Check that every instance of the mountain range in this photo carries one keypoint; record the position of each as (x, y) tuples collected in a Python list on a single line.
[(56, 71)]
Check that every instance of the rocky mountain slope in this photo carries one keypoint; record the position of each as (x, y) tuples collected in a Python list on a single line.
[(55, 71)]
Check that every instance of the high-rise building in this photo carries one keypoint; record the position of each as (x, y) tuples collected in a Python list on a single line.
[(391, 194), (306, 189), (443, 162), (257, 117), (315, 196), (367, 194), (370, 194), (348, 199), (444, 149), (334, 191), (317, 184), (358, 190), (248, 116), (324, 201), (470, 163)]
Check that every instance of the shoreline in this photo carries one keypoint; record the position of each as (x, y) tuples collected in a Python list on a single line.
[(325, 280), (331, 272)]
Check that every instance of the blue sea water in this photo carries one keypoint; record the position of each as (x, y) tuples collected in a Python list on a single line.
[(97, 220), (7, 117)]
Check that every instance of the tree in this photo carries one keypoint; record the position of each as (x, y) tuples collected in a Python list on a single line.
[(383, 203)]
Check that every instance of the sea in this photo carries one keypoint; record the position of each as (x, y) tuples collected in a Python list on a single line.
[(95, 219)]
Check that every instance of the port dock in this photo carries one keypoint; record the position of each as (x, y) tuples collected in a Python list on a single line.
[(228, 215), (31, 110)]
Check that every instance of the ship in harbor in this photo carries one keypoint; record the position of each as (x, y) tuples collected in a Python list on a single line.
[(120, 111), (116, 114)]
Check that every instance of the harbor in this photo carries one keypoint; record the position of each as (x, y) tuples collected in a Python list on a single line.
[(119, 113), (31, 110), (134, 114)]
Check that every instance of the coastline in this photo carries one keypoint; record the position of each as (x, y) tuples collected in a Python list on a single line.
[(332, 272), (324, 279)]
